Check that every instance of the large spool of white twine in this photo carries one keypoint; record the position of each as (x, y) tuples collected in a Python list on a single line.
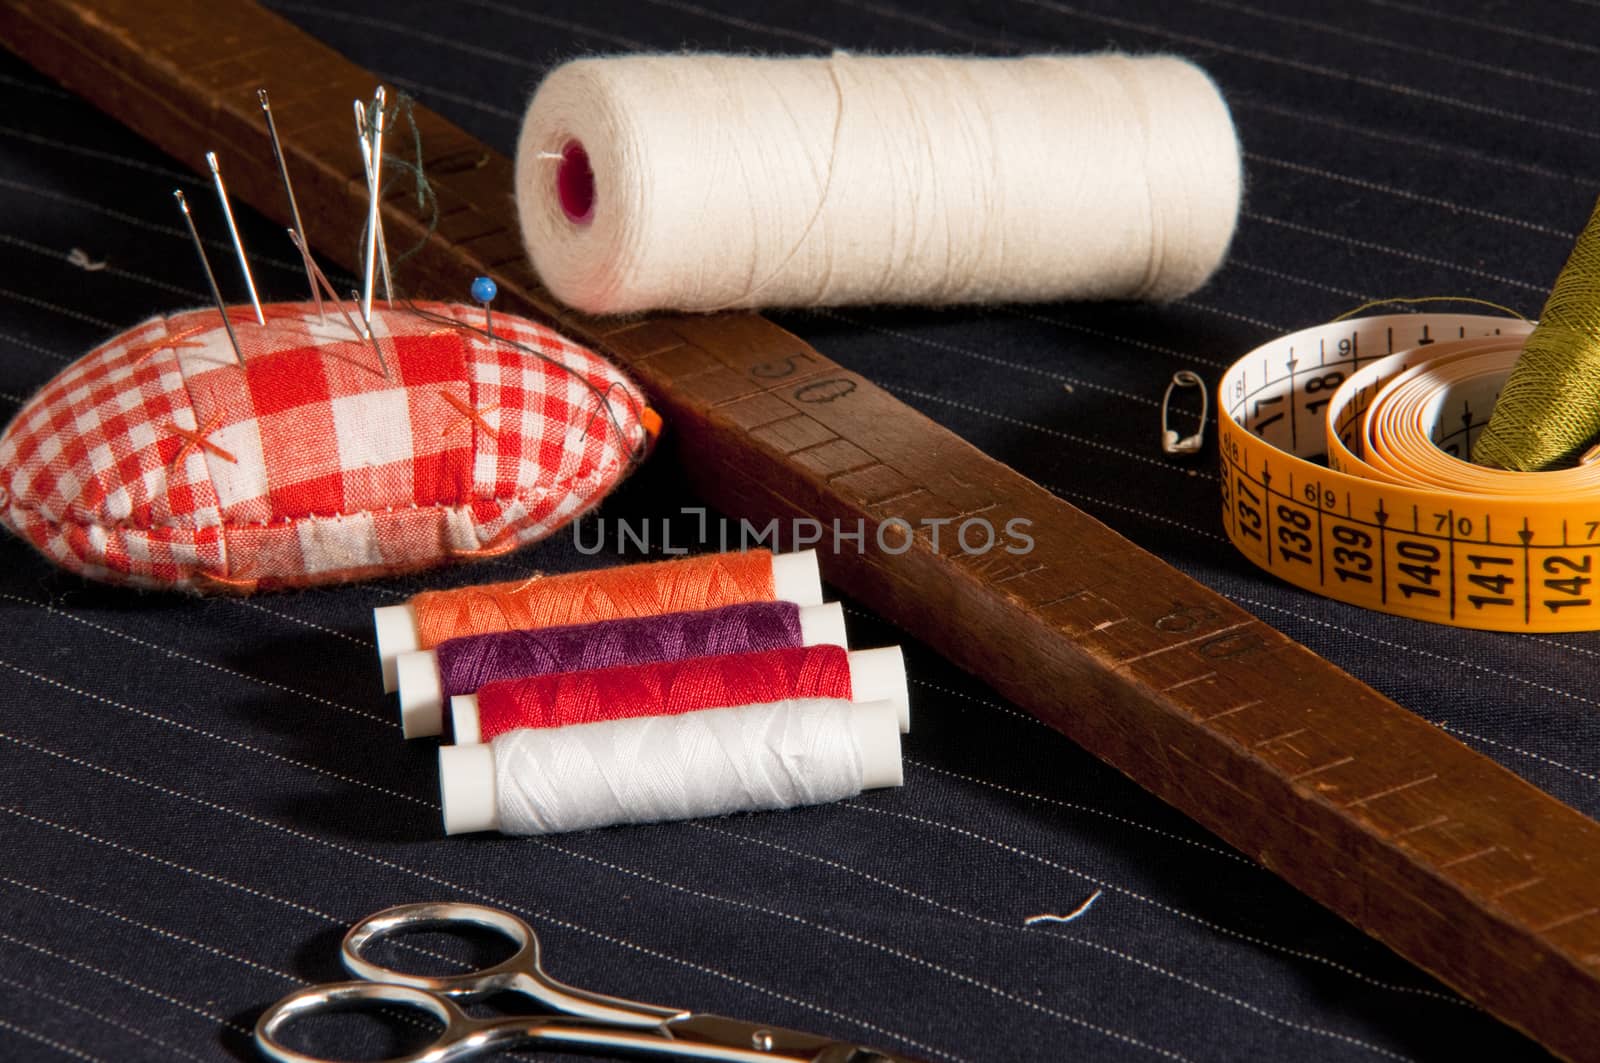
[(703, 182)]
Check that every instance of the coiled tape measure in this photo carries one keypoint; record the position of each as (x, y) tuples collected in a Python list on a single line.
[(1398, 519)]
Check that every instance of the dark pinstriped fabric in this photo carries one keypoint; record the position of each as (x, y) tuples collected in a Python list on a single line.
[(197, 796)]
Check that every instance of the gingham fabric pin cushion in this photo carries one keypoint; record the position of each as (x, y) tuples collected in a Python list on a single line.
[(158, 460)]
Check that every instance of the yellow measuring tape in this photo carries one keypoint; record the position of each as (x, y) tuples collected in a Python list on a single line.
[(1397, 519)]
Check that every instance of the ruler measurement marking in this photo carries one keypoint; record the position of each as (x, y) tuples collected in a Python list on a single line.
[(1204, 636), (1566, 919), (1393, 790), (1434, 822), (1339, 763)]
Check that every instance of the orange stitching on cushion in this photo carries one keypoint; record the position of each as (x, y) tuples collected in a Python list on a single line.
[(489, 549), (474, 416), (244, 586), (144, 350), (197, 438)]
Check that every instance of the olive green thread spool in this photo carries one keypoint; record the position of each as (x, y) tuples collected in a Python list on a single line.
[(1549, 410)]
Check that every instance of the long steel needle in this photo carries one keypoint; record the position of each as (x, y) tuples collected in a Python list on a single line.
[(211, 278), (233, 230), (294, 207)]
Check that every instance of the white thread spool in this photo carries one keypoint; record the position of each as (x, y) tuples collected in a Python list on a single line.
[(704, 182), (656, 768)]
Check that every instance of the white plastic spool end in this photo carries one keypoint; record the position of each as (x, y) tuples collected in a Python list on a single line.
[(823, 625), (877, 728), (880, 675), (467, 789), (464, 720), (421, 694), (396, 626), (797, 578)]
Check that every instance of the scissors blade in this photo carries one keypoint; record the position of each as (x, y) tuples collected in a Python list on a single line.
[(772, 1042)]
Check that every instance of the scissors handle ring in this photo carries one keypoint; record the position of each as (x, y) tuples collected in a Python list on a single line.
[(501, 975), (337, 996)]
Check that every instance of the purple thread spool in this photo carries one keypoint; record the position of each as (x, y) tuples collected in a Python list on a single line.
[(464, 665)]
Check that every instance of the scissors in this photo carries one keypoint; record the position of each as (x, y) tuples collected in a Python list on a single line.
[(583, 1020)]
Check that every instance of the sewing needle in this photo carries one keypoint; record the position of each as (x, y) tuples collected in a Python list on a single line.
[(211, 278), (233, 230), (294, 208)]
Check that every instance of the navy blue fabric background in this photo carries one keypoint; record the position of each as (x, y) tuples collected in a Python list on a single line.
[(197, 796)]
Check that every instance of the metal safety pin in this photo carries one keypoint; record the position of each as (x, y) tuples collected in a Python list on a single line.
[(1171, 442)]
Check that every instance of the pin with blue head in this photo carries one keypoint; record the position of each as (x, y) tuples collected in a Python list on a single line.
[(484, 290)]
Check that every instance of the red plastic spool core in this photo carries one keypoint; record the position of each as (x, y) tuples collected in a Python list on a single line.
[(575, 184)]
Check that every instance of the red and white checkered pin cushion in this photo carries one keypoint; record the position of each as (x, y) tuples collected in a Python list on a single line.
[(156, 460)]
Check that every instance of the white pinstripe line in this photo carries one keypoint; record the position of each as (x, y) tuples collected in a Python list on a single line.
[(1234, 262), (1408, 141), (34, 1035), (1013, 929), (1311, 68), (1027, 717), (1526, 753), (245, 603), (1146, 514), (561, 24), (34, 300), (1548, 641), (56, 255), (1397, 252), (965, 352), (104, 156), (856, 806), (296, 268), (1491, 27), (174, 865), (219, 880), (1232, 315), (1415, 197), (1143, 345), (1075, 807), (410, 32), (537, 916), (43, 90), (1085, 441), (765, 28), (244, 746), (138, 987), (421, 90), (108, 1020), (1412, 49), (167, 935), (876, 946), (9, 338), (1001, 43), (202, 662)]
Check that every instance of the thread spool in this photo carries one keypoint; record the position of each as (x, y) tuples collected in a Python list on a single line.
[(462, 666), (701, 182), (651, 589), (1549, 410), (672, 687), (658, 768)]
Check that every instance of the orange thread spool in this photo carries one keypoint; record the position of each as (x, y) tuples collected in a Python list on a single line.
[(676, 586)]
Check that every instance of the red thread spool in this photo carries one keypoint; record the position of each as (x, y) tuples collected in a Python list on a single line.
[(662, 689)]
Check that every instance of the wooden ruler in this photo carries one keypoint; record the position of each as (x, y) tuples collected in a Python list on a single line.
[(1439, 852)]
